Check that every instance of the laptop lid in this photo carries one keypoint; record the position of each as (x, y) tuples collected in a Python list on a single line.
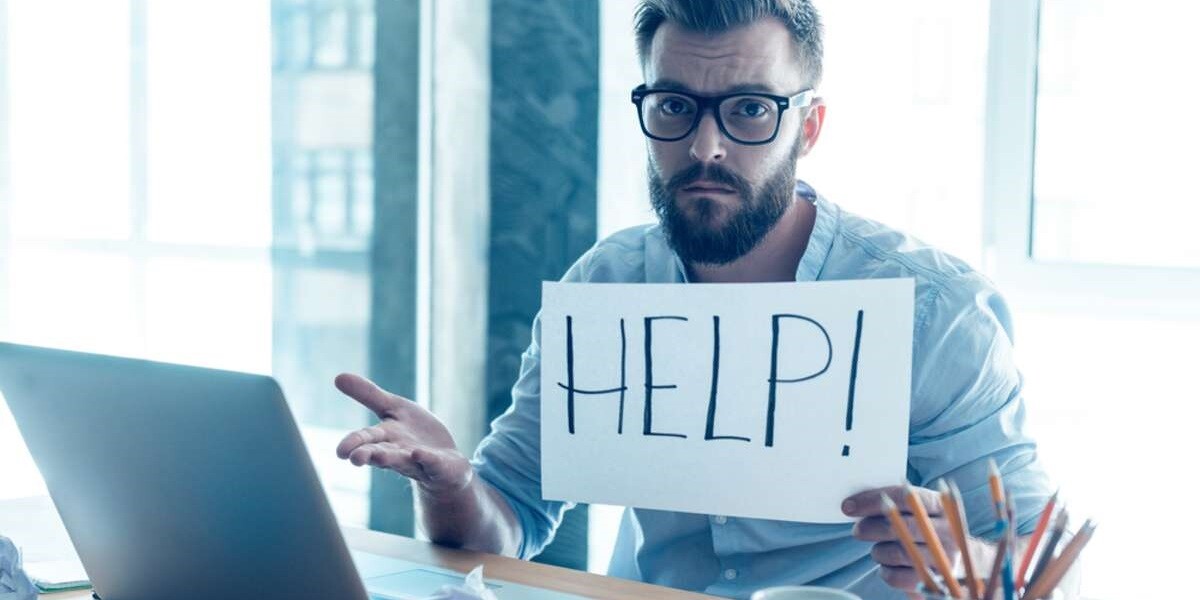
[(177, 481)]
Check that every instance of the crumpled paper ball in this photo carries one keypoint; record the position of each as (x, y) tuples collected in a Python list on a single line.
[(14, 584), (471, 589)]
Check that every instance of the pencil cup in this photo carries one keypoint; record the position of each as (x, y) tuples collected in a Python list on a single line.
[(802, 592), (999, 595)]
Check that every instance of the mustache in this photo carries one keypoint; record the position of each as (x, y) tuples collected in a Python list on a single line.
[(709, 172)]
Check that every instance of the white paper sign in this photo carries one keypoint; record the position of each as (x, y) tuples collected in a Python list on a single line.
[(764, 400)]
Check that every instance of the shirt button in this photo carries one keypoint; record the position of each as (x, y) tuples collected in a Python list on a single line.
[(720, 519), (730, 574)]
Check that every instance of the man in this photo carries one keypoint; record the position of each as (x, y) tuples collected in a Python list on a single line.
[(728, 108)]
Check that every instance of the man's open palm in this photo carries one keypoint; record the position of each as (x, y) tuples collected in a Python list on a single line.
[(409, 439)]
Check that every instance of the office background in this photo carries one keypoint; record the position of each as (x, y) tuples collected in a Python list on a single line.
[(304, 187)]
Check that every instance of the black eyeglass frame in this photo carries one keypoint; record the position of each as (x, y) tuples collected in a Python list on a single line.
[(801, 99)]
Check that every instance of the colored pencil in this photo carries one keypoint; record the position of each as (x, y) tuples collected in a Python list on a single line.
[(1044, 585), (1056, 534), (997, 488), (997, 565), (910, 545), (1010, 566), (1006, 574), (931, 539), (952, 501), (1038, 532)]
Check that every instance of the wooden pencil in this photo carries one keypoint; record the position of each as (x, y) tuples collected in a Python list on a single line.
[(1044, 585), (1007, 575), (1056, 534), (952, 502), (1008, 581), (994, 578), (925, 524), (1038, 532), (997, 487), (909, 544)]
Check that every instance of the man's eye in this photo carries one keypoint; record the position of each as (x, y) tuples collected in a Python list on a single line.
[(675, 106), (752, 109)]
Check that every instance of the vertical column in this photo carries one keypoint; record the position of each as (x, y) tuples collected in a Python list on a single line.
[(393, 349), (545, 58), (460, 213)]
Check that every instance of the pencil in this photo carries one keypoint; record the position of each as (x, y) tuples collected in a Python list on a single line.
[(1055, 572), (910, 545), (1010, 590), (931, 539), (997, 487), (1038, 532), (1056, 534), (998, 564), (952, 501)]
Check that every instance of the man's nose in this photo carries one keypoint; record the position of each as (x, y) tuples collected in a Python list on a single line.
[(708, 143)]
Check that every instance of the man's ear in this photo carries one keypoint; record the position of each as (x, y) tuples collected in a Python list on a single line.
[(814, 119)]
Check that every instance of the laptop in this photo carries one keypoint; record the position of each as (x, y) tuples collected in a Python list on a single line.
[(186, 482)]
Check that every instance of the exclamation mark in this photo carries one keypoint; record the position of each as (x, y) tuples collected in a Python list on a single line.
[(853, 380)]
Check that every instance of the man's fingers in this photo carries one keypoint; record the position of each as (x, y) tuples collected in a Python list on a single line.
[(869, 503), (367, 435), (387, 456), (904, 578), (892, 554), (381, 402), (879, 529)]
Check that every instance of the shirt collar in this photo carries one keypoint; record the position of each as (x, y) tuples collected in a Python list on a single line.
[(821, 239)]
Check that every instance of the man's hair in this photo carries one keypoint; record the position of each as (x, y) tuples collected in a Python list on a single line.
[(715, 16)]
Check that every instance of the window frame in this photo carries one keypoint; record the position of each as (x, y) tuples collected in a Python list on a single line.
[(1010, 126), (5, 181)]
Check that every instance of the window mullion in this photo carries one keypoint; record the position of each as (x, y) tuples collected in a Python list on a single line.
[(5, 186), (1009, 122), (138, 167)]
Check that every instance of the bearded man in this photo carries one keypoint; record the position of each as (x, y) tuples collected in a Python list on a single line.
[(728, 108)]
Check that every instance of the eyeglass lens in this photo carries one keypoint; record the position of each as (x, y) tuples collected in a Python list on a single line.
[(747, 118)]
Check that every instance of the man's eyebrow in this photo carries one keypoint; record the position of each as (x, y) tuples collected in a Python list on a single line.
[(671, 84)]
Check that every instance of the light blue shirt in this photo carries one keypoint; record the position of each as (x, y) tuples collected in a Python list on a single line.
[(966, 407)]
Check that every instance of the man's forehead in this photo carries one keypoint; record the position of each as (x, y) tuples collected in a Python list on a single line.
[(760, 56)]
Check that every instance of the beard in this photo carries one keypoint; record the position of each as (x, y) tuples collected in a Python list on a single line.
[(701, 233)]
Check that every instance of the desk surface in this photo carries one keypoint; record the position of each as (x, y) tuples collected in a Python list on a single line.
[(462, 561)]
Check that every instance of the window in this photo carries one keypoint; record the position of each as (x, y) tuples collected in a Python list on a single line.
[(1111, 100), (188, 196), (1088, 236)]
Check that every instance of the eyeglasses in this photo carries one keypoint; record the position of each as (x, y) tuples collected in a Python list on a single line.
[(746, 118)]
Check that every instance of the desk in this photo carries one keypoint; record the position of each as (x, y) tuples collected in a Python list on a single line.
[(25, 510)]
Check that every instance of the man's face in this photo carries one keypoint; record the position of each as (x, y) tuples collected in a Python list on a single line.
[(717, 198)]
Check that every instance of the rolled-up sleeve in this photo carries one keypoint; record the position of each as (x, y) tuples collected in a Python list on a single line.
[(509, 458), (967, 404)]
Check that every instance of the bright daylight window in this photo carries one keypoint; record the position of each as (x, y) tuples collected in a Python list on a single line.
[(187, 196), (1111, 228), (1116, 129)]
